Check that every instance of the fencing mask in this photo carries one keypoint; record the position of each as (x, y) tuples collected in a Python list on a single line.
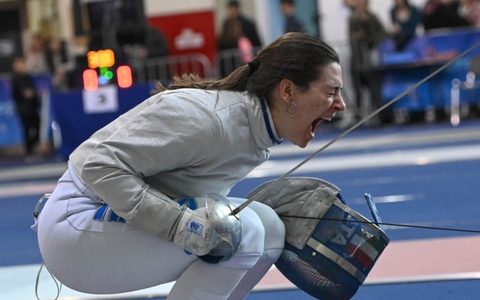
[(329, 247)]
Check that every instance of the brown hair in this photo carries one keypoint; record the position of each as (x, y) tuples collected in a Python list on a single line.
[(296, 56)]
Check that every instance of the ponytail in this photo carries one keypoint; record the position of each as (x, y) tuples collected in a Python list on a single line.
[(296, 56)]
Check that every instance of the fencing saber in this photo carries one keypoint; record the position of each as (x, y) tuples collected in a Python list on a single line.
[(358, 124)]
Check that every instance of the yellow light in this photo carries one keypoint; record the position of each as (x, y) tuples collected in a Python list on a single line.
[(100, 58), (92, 58), (90, 80), (107, 58), (124, 76)]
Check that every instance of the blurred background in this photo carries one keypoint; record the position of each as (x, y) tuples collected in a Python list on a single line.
[(90, 60), (69, 67)]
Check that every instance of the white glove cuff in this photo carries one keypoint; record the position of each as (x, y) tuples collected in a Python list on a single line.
[(194, 233)]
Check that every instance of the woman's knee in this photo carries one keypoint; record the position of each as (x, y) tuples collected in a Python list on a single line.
[(263, 233), (251, 246), (253, 232), (273, 225)]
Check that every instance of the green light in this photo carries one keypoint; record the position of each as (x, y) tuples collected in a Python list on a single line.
[(108, 75)]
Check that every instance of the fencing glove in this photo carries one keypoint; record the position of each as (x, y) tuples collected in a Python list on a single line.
[(194, 232)]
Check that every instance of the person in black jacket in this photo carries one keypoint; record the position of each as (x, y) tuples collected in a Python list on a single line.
[(27, 101), (248, 27), (443, 14), (405, 18), (365, 33), (235, 28)]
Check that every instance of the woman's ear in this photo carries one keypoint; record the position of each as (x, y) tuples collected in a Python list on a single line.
[(286, 88)]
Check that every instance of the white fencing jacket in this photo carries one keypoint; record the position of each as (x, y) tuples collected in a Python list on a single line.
[(177, 143)]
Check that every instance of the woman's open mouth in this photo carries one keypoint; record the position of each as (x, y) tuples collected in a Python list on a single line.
[(314, 125)]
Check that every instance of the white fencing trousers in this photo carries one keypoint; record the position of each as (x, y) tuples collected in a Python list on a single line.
[(88, 248)]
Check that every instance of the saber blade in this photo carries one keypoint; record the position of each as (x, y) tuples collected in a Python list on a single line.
[(356, 125)]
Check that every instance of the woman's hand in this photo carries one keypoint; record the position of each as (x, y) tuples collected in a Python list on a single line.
[(195, 233)]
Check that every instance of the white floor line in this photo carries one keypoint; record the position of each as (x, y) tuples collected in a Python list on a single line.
[(363, 161), (18, 283), (31, 172), (26, 189), (426, 278)]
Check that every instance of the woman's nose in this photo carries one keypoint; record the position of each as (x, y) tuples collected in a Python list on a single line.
[(339, 104)]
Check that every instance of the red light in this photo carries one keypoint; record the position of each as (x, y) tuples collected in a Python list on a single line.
[(90, 80), (124, 76)]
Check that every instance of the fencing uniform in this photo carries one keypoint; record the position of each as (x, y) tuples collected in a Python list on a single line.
[(109, 224)]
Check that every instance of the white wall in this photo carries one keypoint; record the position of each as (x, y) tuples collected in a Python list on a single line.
[(168, 7)]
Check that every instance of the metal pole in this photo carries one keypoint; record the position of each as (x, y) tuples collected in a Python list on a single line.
[(455, 102)]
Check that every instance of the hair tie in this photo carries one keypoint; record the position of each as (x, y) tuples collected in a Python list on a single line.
[(253, 65)]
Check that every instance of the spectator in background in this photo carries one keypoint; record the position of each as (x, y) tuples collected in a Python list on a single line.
[(230, 33), (470, 10), (155, 42), (248, 27), (155, 46), (439, 14), (235, 48), (365, 33), (59, 63), (234, 44), (292, 23), (405, 19), (429, 12), (350, 4), (36, 58), (27, 102), (145, 54)]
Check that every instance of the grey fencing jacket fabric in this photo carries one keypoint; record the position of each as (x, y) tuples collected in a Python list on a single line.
[(186, 142)]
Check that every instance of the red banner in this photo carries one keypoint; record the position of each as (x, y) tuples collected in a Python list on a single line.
[(188, 33)]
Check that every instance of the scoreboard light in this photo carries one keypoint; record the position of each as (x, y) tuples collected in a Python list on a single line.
[(105, 72), (90, 80), (124, 76), (104, 60), (100, 59)]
